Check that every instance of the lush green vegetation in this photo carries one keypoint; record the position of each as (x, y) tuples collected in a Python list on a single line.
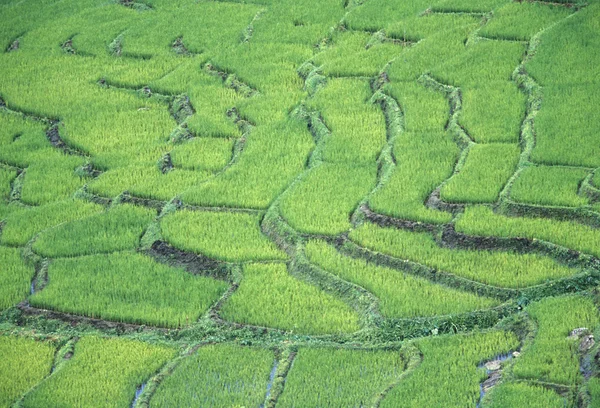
[(116, 229), (553, 357), (550, 185), (323, 201), (521, 395), (486, 171), (269, 296), (127, 287), (448, 376), (222, 235), (179, 178), (505, 269), (25, 362), (399, 294), (480, 220), (101, 373), (218, 376), (322, 377), (424, 160), (15, 277)]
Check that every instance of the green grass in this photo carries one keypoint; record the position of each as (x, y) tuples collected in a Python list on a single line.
[(399, 294), (203, 154), (349, 55), (423, 161), (218, 376), (468, 6), (221, 235), (322, 377), (498, 268), (548, 185), (424, 109), (574, 41), (269, 296), (357, 126), (269, 163), (116, 229), (566, 125), (323, 201), (22, 224), (484, 174), (483, 221), (448, 376), (493, 112), (520, 21), (7, 176), (25, 362), (15, 277), (553, 357), (480, 63), (145, 182), (101, 373), (51, 180), (508, 395), (148, 292)]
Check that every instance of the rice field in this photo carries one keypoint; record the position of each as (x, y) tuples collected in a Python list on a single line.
[(299, 203)]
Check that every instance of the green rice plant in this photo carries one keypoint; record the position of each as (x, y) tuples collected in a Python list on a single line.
[(15, 277), (211, 100), (399, 294), (429, 24), (117, 229), (424, 109), (295, 21), (566, 126), (467, 6), (358, 130), (429, 53), (352, 53), (593, 388), (553, 357), (22, 224), (273, 157), (210, 154), (482, 221), (101, 373), (520, 21), (51, 180), (493, 112), (449, 375), (514, 394), (324, 200), (7, 175), (549, 185), (269, 296), (322, 377), (423, 162), (377, 14), (146, 182), (218, 375), (222, 235), (481, 63), (575, 41), (25, 362), (148, 292), (498, 268), (484, 174)]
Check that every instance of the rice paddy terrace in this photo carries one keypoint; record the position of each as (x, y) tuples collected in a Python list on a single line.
[(299, 203)]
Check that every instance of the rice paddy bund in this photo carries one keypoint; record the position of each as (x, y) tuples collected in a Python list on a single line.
[(299, 203)]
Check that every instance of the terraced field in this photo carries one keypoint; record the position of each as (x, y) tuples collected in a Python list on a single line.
[(299, 203)]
